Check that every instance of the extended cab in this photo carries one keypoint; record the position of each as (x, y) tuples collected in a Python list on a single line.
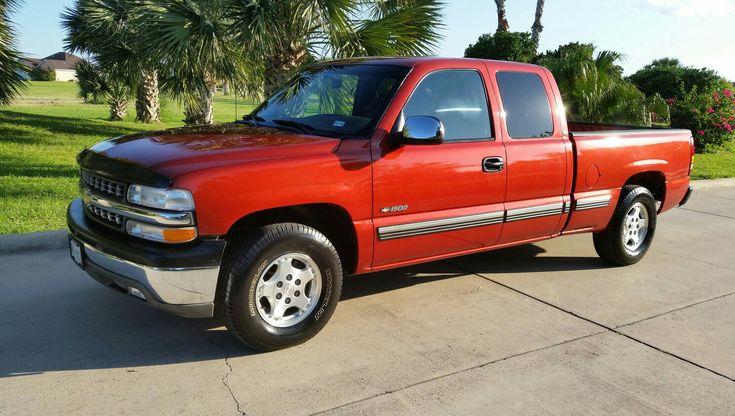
[(357, 166)]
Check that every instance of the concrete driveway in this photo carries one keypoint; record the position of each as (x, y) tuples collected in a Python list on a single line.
[(539, 329)]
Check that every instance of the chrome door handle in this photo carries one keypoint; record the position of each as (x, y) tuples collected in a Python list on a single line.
[(493, 164)]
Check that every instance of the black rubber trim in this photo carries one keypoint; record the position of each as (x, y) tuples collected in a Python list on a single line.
[(102, 165), (688, 195), (120, 284), (202, 253)]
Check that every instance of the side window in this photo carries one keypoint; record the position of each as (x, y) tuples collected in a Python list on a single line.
[(526, 105), (458, 99)]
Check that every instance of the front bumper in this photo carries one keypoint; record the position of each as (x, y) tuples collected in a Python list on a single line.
[(179, 279)]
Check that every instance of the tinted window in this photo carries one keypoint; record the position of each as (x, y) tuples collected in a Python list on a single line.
[(527, 111), (332, 100), (458, 99)]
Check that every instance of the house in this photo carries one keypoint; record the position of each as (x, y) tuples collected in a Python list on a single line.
[(61, 63), (29, 64)]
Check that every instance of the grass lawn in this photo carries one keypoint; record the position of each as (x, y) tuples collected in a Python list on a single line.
[(41, 133)]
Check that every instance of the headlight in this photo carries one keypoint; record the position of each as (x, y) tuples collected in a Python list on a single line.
[(169, 199), (160, 234)]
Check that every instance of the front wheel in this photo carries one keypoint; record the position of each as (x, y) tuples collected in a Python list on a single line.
[(629, 234), (280, 286)]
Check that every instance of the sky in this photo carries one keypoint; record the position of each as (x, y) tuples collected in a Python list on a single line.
[(700, 33)]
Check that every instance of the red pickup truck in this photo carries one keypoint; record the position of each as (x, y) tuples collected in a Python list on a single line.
[(356, 166)]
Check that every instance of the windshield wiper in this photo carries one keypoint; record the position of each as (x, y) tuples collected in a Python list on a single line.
[(302, 127), (251, 119)]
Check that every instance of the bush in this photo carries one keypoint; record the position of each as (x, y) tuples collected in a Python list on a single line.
[(504, 46), (91, 81), (40, 73), (671, 79), (709, 115)]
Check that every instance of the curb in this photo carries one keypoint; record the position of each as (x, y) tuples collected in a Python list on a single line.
[(713, 183), (45, 240)]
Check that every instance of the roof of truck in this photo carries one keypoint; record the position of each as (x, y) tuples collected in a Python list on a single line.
[(411, 61)]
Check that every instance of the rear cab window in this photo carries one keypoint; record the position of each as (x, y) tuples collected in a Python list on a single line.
[(526, 105)]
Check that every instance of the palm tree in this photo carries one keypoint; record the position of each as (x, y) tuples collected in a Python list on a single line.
[(107, 30), (537, 27), (11, 82), (194, 42), (283, 36), (502, 17), (593, 86)]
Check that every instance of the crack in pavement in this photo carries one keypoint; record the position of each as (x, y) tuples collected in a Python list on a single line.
[(478, 366), (227, 363), (707, 213), (675, 310), (609, 328)]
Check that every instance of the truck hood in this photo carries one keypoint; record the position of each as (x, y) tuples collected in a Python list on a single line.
[(170, 153)]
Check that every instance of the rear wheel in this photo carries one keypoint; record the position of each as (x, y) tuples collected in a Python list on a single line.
[(629, 235), (280, 286)]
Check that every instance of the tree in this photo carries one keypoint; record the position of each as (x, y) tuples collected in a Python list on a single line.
[(283, 36), (42, 73), (502, 18), (537, 28), (91, 82), (671, 79), (11, 83), (593, 88), (108, 30), (194, 41), (506, 46)]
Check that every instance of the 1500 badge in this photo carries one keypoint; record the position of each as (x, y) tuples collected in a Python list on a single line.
[(397, 208)]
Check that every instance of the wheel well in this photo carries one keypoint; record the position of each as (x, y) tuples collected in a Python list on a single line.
[(331, 220), (653, 181)]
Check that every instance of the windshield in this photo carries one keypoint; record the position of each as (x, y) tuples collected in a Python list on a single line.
[(332, 100)]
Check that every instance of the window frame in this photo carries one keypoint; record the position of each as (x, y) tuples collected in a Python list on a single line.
[(493, 134), (548, 102)]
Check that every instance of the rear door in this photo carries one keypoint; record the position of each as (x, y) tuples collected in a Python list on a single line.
[(432, 200), (538, 154)]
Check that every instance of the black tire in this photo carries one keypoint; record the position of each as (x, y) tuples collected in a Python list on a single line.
[(609, 243), (244, 263)]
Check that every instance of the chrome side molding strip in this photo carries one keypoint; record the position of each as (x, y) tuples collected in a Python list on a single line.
[(434, 226), (489, 218), (592, 203), (534, 212)]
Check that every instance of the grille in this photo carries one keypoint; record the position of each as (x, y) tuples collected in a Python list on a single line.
[(106, 216), (102, 185)]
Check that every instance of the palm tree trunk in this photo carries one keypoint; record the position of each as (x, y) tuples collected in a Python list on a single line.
[(118, 108), (202, 111), (147, 104), (280, 67), (502, 18), (537, 28)]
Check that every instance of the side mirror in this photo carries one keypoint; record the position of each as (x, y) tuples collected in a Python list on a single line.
[(420, 130)]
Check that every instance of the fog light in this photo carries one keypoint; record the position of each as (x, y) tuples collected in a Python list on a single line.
[(137, 293)]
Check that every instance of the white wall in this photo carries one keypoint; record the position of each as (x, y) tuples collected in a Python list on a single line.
[(66, 75)]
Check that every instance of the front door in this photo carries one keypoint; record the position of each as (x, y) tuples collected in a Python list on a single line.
[(431, 200)]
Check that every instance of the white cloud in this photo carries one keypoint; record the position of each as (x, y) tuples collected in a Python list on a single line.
[(694, 8)]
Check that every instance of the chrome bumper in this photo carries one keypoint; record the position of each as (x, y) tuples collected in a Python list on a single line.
[(187, 292)]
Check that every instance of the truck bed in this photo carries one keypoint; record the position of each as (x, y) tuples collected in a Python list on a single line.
[(606, 156)]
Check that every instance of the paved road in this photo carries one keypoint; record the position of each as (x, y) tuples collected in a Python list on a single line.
[(538, 329)]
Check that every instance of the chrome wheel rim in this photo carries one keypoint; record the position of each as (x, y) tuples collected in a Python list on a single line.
[(635, 227), (288, 290)]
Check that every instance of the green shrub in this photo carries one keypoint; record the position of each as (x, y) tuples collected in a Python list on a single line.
[(40, 73), (504, 46), (671, 79), (92, 84), (709, 115)]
